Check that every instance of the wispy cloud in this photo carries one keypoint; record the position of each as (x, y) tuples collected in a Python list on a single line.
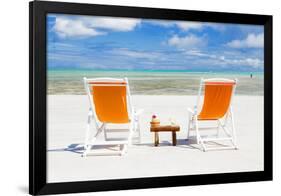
[(222, 59), (183, 25), (188, 25), (198, 53), (251, 41), (252, 62), (180, 24), (135, 53)]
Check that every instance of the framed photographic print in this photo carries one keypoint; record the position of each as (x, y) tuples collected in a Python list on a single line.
[(131, 97)]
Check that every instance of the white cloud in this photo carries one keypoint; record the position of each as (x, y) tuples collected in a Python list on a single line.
[(86, 26), (186, 26), (186, 42), (251, 41), (190, 25), (70, 28), (113, 24)]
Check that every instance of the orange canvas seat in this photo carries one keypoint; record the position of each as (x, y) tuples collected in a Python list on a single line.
[(217, 99), (216, 106), (111, 103)]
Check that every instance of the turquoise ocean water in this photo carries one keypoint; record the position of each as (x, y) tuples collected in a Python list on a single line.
[(70, 81)]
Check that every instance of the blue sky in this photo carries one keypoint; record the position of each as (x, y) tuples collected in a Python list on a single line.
[(90, 42)]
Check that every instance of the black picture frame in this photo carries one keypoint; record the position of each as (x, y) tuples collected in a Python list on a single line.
[(37, 97)]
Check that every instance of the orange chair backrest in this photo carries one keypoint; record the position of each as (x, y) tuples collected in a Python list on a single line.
[(217, 98), (110, 101)]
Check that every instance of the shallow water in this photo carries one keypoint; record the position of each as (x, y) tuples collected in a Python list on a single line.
[(152, 82)]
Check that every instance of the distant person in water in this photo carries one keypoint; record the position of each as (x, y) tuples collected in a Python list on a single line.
[(251, 75)]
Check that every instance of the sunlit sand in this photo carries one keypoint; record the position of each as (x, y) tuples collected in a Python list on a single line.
[(67, 115)]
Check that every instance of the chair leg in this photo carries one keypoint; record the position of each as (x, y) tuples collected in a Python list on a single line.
[(197, 131), (123, 149), (139, 133), (87, 145), (188, 128), (131, 133), (233, 130), (136, 129), (198, 137), (87, 134), (203, 146), (218, 129), (86, 151), (104, 132)]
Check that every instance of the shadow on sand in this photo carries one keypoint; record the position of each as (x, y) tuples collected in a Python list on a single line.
[(191, 143)]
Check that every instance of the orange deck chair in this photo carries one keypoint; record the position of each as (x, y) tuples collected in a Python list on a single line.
[(216, 107), (110, 103)]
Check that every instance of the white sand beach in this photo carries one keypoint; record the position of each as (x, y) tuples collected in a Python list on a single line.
[(67, 117)]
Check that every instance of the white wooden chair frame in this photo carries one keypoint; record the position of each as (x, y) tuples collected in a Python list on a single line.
[(134, 126), (221, 123)]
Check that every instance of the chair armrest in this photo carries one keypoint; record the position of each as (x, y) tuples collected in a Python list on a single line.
[(138, 112), (90, 112)]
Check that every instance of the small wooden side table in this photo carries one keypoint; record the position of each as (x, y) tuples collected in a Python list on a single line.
[(165, 128)]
